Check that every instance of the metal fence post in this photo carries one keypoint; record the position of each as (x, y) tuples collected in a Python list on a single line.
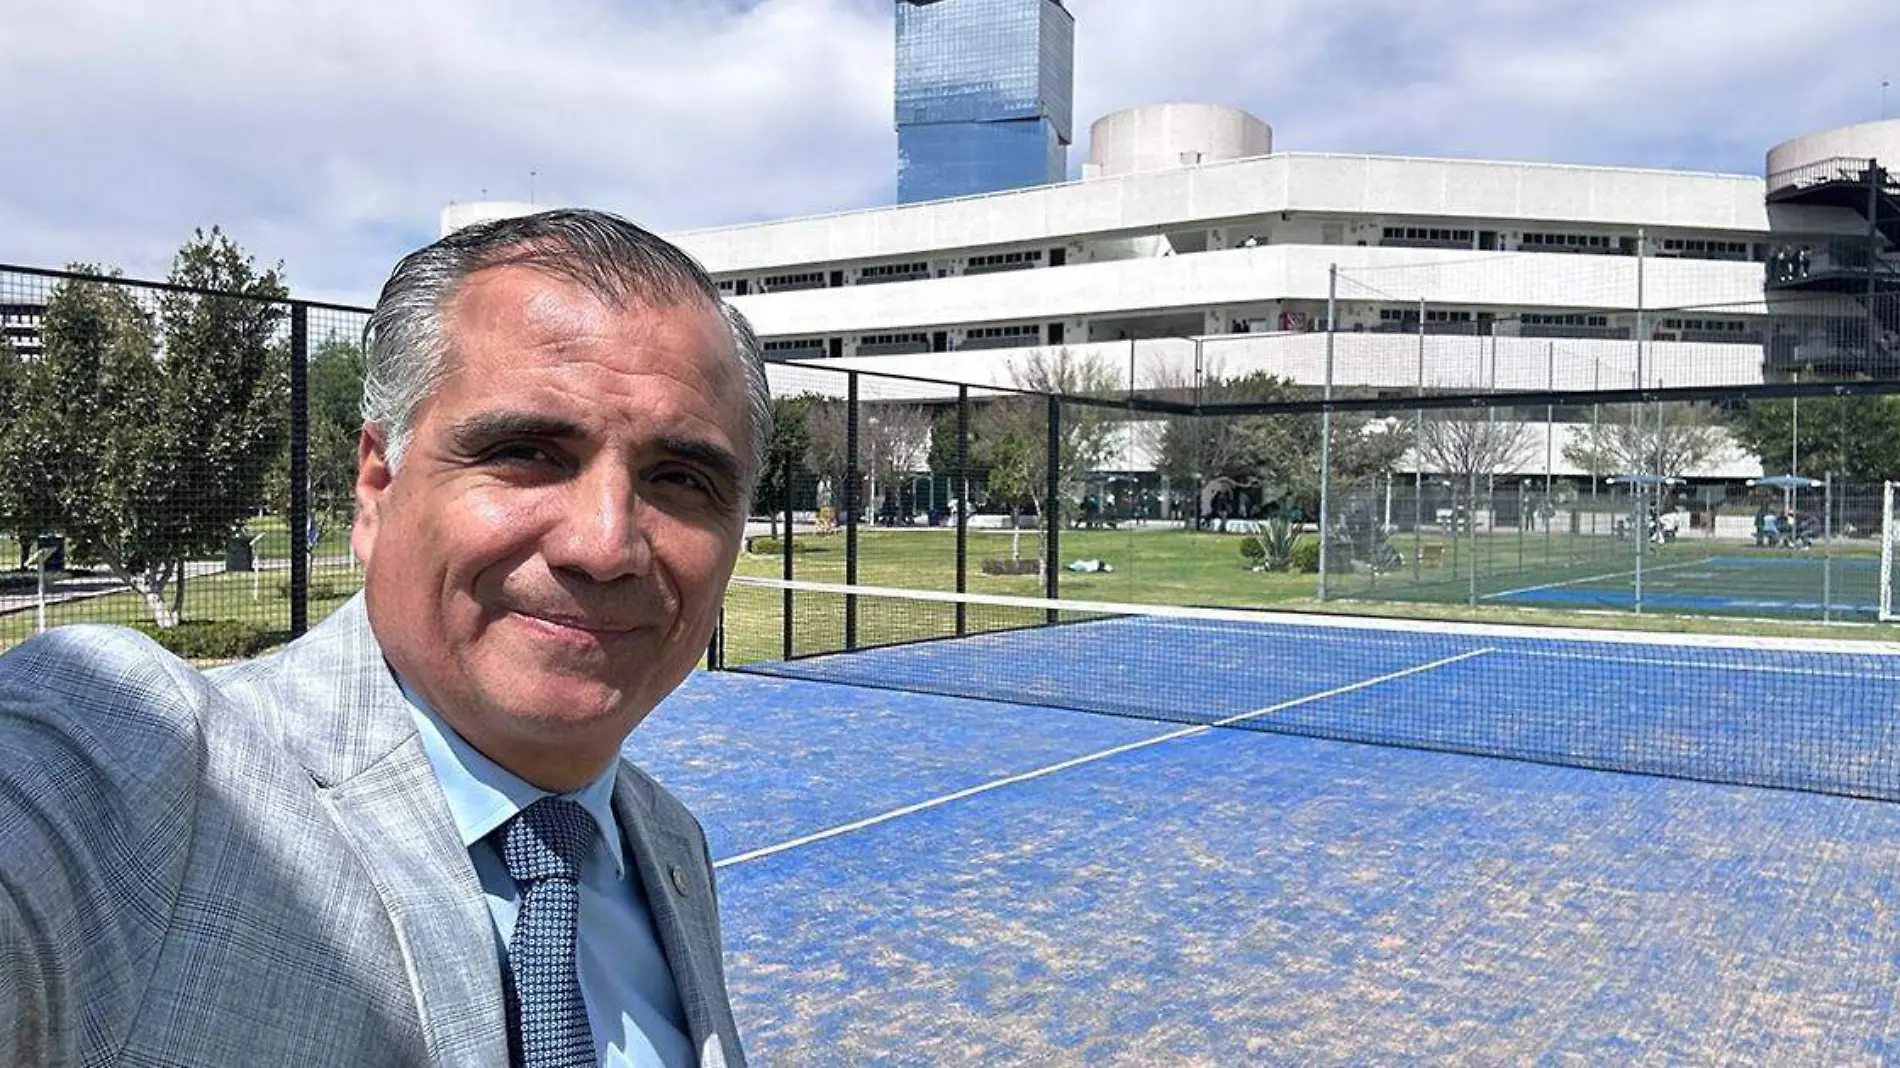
[(1326, 433), (299, 518), (1052, 522), (785, 560), (962, 504), (851, 511)]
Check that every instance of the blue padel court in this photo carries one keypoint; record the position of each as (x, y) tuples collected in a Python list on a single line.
[(1772, 584), (920, 878)]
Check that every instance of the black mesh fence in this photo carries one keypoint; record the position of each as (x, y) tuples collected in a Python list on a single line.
[(182, 458), (174, 457)]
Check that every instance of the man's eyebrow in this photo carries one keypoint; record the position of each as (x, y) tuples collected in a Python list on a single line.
[(718, 459), (483, 429)]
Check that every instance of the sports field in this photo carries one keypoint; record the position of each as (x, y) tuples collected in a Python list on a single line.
[(913, 878)]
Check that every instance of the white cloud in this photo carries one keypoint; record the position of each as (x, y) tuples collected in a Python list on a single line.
[(328, 135)]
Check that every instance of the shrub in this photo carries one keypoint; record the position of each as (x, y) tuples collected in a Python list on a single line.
[(1252, 551), (1304, 556), (323, 590), (28, 580), (767, 545), (1278, 545), (216, 639)]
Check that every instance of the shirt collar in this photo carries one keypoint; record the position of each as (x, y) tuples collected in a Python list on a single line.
[(483, 795)]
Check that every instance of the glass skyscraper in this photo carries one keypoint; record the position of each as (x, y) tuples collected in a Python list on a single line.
[(985, 94)]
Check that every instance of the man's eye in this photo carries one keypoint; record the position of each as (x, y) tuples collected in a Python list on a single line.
[(520, 453), (689, 479)]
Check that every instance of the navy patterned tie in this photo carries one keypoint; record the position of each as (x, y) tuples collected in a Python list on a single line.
[(543, 846)]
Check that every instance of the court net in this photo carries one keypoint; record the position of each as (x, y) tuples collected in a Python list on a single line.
[(1816, 715)]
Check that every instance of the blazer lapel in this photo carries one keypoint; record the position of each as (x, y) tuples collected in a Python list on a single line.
[(670, 867), (400, 827), (352, 727)]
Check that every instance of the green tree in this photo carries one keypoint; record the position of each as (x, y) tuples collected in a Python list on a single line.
[(151, 437), (335, 389), (83, 423), (12, 379), (1014, 464), (784, 455), (1856, 437)]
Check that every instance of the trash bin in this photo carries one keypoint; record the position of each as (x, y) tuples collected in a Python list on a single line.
[(56, 557), (237, 553)]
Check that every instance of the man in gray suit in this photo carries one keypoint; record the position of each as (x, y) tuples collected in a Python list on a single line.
[(409, 838)]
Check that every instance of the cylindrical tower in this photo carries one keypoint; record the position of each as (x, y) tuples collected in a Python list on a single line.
[(1160, 136), (1867, 140)]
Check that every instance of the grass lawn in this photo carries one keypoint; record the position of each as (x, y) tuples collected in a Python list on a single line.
[(333, 538), (1150, 566), (1190, 568), (261, 598)]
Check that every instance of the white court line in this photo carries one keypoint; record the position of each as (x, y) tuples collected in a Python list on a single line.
[(1631, 573), (1088, 758)]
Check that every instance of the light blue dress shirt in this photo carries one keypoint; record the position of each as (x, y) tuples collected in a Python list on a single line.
[(633, 1005)]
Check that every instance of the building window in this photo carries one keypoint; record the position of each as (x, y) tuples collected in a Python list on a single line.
[(1425, 237), (993, 262), (1601, 244), (790, 348), (1574, 319), (1700, 249), (1001, 331), (780, 283), (892, 272), (893, 344)]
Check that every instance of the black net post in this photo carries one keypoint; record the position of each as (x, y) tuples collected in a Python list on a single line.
[(962, 503), (785, 553), (851, 509), (1874, 177), (1052, 521), (299, 468)]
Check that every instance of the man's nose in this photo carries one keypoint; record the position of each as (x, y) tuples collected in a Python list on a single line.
[(602, 530)]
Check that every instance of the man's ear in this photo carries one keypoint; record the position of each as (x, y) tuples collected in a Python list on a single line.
[(373, 476)]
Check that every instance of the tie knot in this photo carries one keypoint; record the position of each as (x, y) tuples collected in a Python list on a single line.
[(547, 840)]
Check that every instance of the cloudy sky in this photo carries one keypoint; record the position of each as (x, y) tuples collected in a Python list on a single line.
[(328, 134)]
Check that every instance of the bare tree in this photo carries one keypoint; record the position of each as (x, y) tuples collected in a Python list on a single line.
[(1012, 433), (1667, 439), (1462, 444), (1468, 446), (893, 439)]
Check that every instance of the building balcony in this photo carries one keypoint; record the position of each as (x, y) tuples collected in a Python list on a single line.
[(1858, 185), (1849, 266)]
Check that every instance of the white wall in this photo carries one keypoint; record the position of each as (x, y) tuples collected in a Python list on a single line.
[(1255, 275), (1199, 195), (1383, 361)]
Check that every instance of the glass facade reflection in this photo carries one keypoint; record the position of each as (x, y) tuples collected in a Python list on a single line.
[(985, 93)]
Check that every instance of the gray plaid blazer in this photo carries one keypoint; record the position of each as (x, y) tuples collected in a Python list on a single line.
[(257, 867)]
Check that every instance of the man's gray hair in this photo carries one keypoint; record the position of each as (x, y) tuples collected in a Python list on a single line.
[(616, 261)]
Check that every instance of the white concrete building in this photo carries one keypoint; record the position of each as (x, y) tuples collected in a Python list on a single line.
[(1190, 240)]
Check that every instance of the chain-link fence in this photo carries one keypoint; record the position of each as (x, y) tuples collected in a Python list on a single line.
[(182, 459)]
